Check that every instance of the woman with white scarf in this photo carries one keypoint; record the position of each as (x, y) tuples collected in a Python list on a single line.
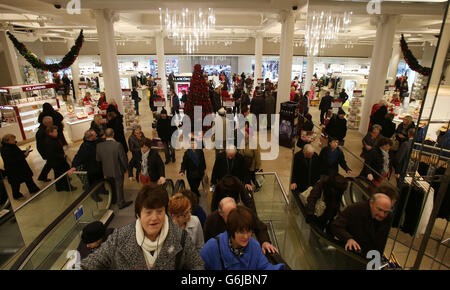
[(376, 167), (153, 242)]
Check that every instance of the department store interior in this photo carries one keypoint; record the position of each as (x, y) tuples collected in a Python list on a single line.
[(291, 55)]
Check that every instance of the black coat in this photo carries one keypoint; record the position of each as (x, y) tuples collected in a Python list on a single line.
[(40, 141), (152, 102), (55, 154), (388, 128), (165, 129), (117, 125), (257, 105), (379, 115), (325, 103), (16, 166), (156, 168), (375, 160), (57, 121), (337, 128), (302, 174), (86, 156), (326, 167), (343, 96), (403, 129), (234, 190), (356, 222), (192, 170), (239, 168)]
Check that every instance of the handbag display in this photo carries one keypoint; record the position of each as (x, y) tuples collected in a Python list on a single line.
[(320, 204)]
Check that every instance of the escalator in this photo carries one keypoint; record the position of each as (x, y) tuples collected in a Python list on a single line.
[(54, 242), (303, 246), (42, 231)]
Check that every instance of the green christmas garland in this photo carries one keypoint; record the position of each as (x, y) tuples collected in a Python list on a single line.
[(67, 61), (411, 60)]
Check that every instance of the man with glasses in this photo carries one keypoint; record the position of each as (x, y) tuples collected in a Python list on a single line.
[(364, 226)]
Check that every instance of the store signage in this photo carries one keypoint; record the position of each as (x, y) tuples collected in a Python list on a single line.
[(158, 81), (357, 93), (126, 92), (336, 104), (6, 108), (160, 102), (228, 102), (38, 87), (182, 79), (82, 85), (260, 80), (78, 213), (392, 88), (3, 90)]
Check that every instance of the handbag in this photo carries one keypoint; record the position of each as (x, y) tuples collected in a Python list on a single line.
[(320, 204), (260, 179)]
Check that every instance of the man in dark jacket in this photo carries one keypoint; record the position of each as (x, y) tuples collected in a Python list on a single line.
[(364, 226), (331, 157), (165, 130), (56, 158), (47, 122), (343, 96), (306, 169), (257, 106), (216, 223), (324, 106), (86, 157), (388, 127), (269, 106), (175, 103), (337, 127), (231, 162), (194, 165), (136, 99)]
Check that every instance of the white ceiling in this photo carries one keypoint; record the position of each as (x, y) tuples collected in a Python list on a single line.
[(236, 20)]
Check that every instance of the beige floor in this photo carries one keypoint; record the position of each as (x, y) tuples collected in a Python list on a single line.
[(282, 165)]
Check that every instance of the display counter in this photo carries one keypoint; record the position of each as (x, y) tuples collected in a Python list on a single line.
[(78, 120), (77, 128), (20, 107)]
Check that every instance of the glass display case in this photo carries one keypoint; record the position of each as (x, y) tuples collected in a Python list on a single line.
[(20, 107)]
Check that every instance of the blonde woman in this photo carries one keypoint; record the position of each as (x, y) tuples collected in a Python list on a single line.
[(252, 157), (401, 134), (180, 209), (99, 126)]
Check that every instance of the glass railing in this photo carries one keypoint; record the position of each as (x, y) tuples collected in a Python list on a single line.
[(46, 222), (300, 245)]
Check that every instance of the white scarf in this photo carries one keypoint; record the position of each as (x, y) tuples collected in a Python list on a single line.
[(144, 163), (385, 161), (147, 245)]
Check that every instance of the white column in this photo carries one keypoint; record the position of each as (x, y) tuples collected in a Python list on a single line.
[(75, 70), (393, 66), (108, 55), (162, 66), (379, 64), (258, 57), (11, 59), (428, 55), (286, 52), (309, 73)]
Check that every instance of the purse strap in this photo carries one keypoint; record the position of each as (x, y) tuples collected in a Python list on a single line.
[(220, 254)]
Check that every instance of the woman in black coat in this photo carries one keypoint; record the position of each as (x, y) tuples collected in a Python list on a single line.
[(377, 164), (115, 122), (47, 110), (56, 158), (194, 165), (337, 127), (151, 168), (331, 157), (16, 167)]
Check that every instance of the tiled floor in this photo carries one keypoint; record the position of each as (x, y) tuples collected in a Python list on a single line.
[(270, 202)]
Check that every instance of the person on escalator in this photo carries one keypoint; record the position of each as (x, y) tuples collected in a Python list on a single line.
[(151, 167), (235, 249), (194, 165), (364, 226), (306, 169), (92, 236), (216, 224), (197, 210), (330, 189)]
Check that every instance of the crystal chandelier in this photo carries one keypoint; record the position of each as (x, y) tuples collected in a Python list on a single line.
[(323, 28), (189, 28)]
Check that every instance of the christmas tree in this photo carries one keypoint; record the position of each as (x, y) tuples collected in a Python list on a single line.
[(198, 96)]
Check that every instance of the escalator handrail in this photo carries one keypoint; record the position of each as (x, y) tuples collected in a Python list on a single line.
[(319, 233), (180, 183), (45, 188), (31, 248), (167, 183)]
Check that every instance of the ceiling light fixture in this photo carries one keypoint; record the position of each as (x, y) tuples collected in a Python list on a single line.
[(190, 28), (323, 28)]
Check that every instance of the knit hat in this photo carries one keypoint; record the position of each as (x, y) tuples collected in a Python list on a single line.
[(93, 232), (341, 111), (163, 111)]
